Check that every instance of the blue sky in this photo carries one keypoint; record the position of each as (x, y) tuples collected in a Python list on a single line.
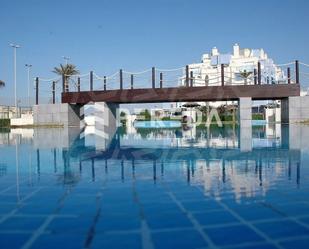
[(107, 35)]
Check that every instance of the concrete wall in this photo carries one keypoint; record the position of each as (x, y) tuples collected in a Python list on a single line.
[(25, 119), (57, 114), (295, 109)]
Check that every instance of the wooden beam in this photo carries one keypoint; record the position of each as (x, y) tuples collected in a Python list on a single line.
[(182, 94)]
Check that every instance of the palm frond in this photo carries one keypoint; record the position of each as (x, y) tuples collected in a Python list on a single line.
[(68, 70), (244, 74)]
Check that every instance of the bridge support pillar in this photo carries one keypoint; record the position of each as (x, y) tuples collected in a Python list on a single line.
[(295, 109), (66, 115), (105, 123), (245, 123)]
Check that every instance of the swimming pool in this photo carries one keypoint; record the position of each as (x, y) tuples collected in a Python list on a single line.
[(157, 124), (155, 188)]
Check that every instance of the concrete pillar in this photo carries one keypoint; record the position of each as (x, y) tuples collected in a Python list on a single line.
[(105, 124), (295, 109), (245, 123), (66, 115)]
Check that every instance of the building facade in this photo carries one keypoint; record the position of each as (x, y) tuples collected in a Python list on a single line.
[(238, 68)]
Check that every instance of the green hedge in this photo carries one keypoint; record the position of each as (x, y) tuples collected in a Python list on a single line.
[(5, 123), (257, 116)]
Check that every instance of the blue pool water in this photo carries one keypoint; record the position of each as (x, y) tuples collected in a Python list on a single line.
[(155, 188), (157, 124)]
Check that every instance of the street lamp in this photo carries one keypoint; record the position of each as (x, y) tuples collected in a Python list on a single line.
[(15, 46), (66, 59), (28, 69)]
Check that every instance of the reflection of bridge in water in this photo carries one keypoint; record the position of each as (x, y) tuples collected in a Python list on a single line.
[(213, 168)]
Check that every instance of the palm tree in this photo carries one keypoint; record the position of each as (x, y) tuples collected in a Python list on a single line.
[(2, 83), (67, 71), (245, 75)]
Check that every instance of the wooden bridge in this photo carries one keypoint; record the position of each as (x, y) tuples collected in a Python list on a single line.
[(183, 94), (258, 88)]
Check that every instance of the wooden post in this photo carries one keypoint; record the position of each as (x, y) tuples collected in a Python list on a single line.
[(54, 92), (191, 78), (259, 73), (104, 80), (222, 74), (63, 83), (255, 76), (297, 72), (289, 75), (121, 79), (161, 80), (153, 78), (37, 90), (78, 84), (91, 80), (187, 75), (132, 79)]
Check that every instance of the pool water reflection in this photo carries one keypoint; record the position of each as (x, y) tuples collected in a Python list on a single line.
[(182, 187)]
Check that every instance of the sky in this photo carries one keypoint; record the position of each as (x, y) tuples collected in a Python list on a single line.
[(105, 36)]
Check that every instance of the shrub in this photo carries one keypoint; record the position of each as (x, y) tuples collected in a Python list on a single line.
[(5, 122)]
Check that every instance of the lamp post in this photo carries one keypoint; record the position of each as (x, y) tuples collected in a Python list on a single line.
[(28, 72), (66, 59), (15, 46)]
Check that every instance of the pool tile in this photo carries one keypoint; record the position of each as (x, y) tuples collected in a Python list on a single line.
[(119, 241), (305, 220), (254, 212), (296, 244), (117, 222), (168, 220), (13, 240), (215, 218), (159, 207), (131, 209), (30, 209), (59, 241), (183, 239), (89, 209), (282, 229), (201, 205), (79, 224), (22, 223), (189, 194), (294, 209), (7, 208), (259, 246), (232, 235)]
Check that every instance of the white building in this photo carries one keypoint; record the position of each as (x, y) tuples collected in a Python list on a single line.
[(241, 62)]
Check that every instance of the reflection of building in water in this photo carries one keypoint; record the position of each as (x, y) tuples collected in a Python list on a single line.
[(267, 136), (10, 136), (263, 136), (240, 178), (185, 137)]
